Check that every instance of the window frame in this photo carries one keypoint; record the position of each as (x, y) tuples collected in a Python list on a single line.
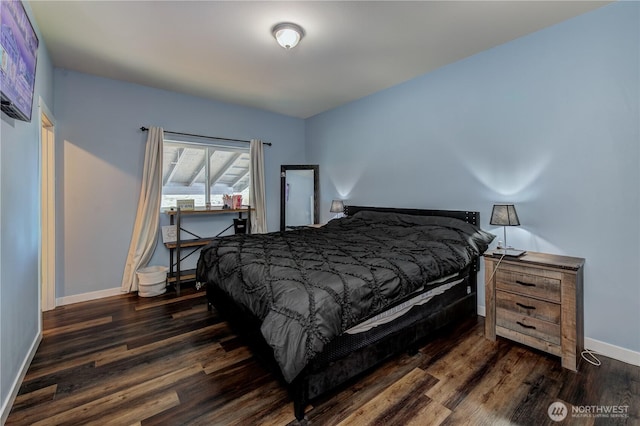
[(209, 150)]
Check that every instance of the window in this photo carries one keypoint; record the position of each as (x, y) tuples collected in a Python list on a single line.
[(187, 174)]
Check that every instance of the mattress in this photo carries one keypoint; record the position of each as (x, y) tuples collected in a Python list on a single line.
[(420, 297), (348, 343)]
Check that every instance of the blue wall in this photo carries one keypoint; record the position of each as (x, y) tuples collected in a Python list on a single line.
[(549, 121), (20, 231), (101, 157)]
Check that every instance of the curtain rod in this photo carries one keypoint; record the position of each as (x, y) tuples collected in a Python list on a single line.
[(144, 129)]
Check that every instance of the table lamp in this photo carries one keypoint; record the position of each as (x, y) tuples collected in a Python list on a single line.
[(337, 206), (505, 215)]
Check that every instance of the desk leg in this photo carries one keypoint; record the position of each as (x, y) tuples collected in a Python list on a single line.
[(178, 259), (249, 220)]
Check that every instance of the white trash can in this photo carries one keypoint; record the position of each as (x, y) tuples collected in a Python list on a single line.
[(152, 281)]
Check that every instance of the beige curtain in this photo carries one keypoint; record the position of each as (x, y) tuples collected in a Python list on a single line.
[(145, 229), (257, 196)]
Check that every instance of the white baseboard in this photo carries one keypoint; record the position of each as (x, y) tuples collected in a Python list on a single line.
[(15, 386), (482, 311), (613, 351), (606, 349), (67, 300)]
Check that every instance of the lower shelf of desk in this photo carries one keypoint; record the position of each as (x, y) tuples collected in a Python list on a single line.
[(188, 275), (185, 276)]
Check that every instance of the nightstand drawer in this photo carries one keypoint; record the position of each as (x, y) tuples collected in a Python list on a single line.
[(528, 284), (529, 326), (528, 306)]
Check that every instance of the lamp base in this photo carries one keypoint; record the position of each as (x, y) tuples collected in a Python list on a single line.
[(509, 252)]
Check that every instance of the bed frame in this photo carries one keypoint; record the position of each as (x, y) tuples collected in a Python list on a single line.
[(338, 363)]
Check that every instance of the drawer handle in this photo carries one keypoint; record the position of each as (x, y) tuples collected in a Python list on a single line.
[(525, 306), (525, 284), (525, 325)]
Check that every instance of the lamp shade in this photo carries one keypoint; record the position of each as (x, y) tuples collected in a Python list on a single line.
[(504, 215), (337, 206)]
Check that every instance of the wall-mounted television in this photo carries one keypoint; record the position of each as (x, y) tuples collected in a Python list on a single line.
[(18, 56)]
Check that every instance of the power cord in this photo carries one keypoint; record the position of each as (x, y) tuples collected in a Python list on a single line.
[(594, 359), (496, 267)]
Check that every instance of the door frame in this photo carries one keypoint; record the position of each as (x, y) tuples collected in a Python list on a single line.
[(47, 254)]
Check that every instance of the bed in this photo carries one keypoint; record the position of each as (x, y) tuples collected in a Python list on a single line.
[(322, 305)]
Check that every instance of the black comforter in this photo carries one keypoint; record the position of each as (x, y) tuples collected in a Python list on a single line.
[(309, 285)]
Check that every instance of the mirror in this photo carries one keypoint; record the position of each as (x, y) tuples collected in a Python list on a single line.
[(298, 195)]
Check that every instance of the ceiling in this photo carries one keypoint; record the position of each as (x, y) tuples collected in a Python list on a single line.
[(224, 50)]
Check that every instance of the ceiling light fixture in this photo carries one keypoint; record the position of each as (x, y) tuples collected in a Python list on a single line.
[(287, 34)]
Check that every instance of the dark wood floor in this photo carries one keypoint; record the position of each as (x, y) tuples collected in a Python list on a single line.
[(126, 360)]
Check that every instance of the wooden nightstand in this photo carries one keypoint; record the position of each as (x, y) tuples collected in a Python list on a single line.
[(536, 299)]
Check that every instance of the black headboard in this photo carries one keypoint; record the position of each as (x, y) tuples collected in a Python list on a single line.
[(467, 216)]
